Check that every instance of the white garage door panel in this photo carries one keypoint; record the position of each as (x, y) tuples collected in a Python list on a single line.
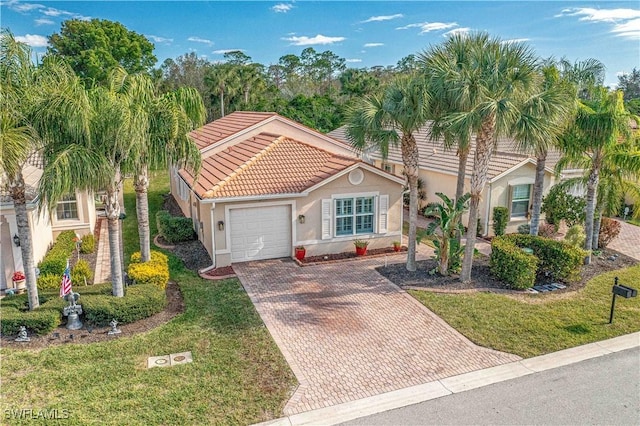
[(260, 233)]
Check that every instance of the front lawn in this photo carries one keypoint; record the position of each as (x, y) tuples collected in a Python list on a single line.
[(238, 375), (540, 324)]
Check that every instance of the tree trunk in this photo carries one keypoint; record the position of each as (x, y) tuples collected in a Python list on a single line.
[(26, 246), (463, 156), (222, 101), (538, 187), (410, 158), (592, 185), (444, 256), (595, 241), (484, 149), (112, 210), (141, 185)]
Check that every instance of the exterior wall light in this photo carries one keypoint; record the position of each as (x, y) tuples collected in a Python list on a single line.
[(301, 218), (220, 225), (16, 240)]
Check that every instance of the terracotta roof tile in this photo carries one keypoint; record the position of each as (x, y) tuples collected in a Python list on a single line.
[(226, 126), (263, 165)]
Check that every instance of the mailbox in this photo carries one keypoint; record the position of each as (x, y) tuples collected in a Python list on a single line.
[(624, 291)]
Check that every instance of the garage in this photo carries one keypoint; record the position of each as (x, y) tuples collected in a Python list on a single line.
[(260, 233)]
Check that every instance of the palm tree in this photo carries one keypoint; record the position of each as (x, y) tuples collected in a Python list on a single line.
[(97, 160), (486, 97), (32, 96), (599, 128), (223, 80), (394, 118), (161, 126)]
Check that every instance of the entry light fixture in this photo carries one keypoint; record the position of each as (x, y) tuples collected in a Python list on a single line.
[(301, 218), (220, 225), (16, 240)]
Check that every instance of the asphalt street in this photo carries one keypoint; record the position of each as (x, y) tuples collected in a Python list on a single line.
[(603, 390)]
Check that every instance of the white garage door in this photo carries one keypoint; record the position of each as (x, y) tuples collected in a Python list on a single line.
[(260, 233)]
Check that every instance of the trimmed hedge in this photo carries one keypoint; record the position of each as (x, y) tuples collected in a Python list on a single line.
[(49, 281), (512, 265), (139, 302), (155, 271), (55, 261), (500, 220), (80, 271), (43, 320), (174, 229), (556, 259)]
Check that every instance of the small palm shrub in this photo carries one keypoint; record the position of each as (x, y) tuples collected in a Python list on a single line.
[(500, 220)]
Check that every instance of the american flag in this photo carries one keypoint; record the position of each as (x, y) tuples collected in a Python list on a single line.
[(65, 285)]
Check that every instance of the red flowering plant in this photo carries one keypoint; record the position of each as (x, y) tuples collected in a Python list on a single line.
[(18, 275)]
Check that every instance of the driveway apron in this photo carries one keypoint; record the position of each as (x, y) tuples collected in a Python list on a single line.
[(628, 241), (349, 333)]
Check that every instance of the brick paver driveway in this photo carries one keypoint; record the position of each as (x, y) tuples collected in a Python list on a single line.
[(628, 241), (348, 333)]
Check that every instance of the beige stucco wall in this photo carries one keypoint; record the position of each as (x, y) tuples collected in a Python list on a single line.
[(86, 221), (309, 233)]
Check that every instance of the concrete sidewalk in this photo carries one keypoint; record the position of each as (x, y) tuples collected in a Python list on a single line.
[(439, 388)]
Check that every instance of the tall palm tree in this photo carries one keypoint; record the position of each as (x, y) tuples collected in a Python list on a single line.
[(486, 97), (97, 160), (162, 124), (30, 97), (391, 119), (599, 128), (223, 81)]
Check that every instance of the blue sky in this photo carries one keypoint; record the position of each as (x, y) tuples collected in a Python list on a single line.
[(365, 33)]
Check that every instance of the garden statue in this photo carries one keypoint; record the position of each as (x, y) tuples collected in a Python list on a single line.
[(22, 335), (73, 311), (114, 329)]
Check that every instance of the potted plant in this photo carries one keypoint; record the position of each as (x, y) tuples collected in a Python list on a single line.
[(300, 252), (19, 281), (396, 245), (361, 247)]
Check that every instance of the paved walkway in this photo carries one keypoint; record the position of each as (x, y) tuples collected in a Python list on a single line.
[(102, 274), (349, 333), (628, 241)]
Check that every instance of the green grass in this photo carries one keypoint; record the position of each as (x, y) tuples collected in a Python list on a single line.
[(634, 222), (238, 375), (529, 329)]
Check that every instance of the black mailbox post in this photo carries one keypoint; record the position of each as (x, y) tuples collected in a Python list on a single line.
[(620, 290)]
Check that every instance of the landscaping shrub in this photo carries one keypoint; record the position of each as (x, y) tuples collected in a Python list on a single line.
[(525, 228), (49, 281), (559, 205), (55, 261), (155, 272), (547, 230), (576, 236), (557, 259), (139, 302), (609, 230), (88, 244), (174, 229), (512, 265), (500, 220), (15, 312), (81, 273)]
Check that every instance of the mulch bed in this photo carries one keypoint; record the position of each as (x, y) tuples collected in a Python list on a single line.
[(481, 278), (59, 336), (219, 273), (340, 257)]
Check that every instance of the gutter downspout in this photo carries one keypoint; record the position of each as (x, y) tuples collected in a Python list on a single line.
[(213, 242), (402, 214), (486, 223)]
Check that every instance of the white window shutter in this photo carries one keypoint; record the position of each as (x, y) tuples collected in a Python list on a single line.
[(383, 214), (326, 219)]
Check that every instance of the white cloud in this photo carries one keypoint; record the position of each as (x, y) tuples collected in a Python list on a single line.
[(223, 51), (427, 27), (319, 39), (516, 40), (463, 31), (282, 7), (44, 21), (158, 39), (56, 12), (200, 40), (383, 18), (16, 6), (33, 40), (373, 44), (626, 22), (353, 61)]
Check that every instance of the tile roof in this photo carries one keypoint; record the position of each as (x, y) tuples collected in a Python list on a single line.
[(31, 176), (226, 126), (433, 156), (265, 164)]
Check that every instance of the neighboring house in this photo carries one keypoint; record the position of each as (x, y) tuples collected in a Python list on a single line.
[(510, 176), (76, 212), (268, 184)]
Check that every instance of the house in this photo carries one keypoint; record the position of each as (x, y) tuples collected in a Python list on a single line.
[(510, 177), (268, 184), (75, 212)]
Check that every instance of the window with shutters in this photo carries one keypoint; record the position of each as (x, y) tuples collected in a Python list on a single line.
[(354, 215), (520, 197)]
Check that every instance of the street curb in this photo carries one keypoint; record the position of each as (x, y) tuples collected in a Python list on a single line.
[(415, 394)]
